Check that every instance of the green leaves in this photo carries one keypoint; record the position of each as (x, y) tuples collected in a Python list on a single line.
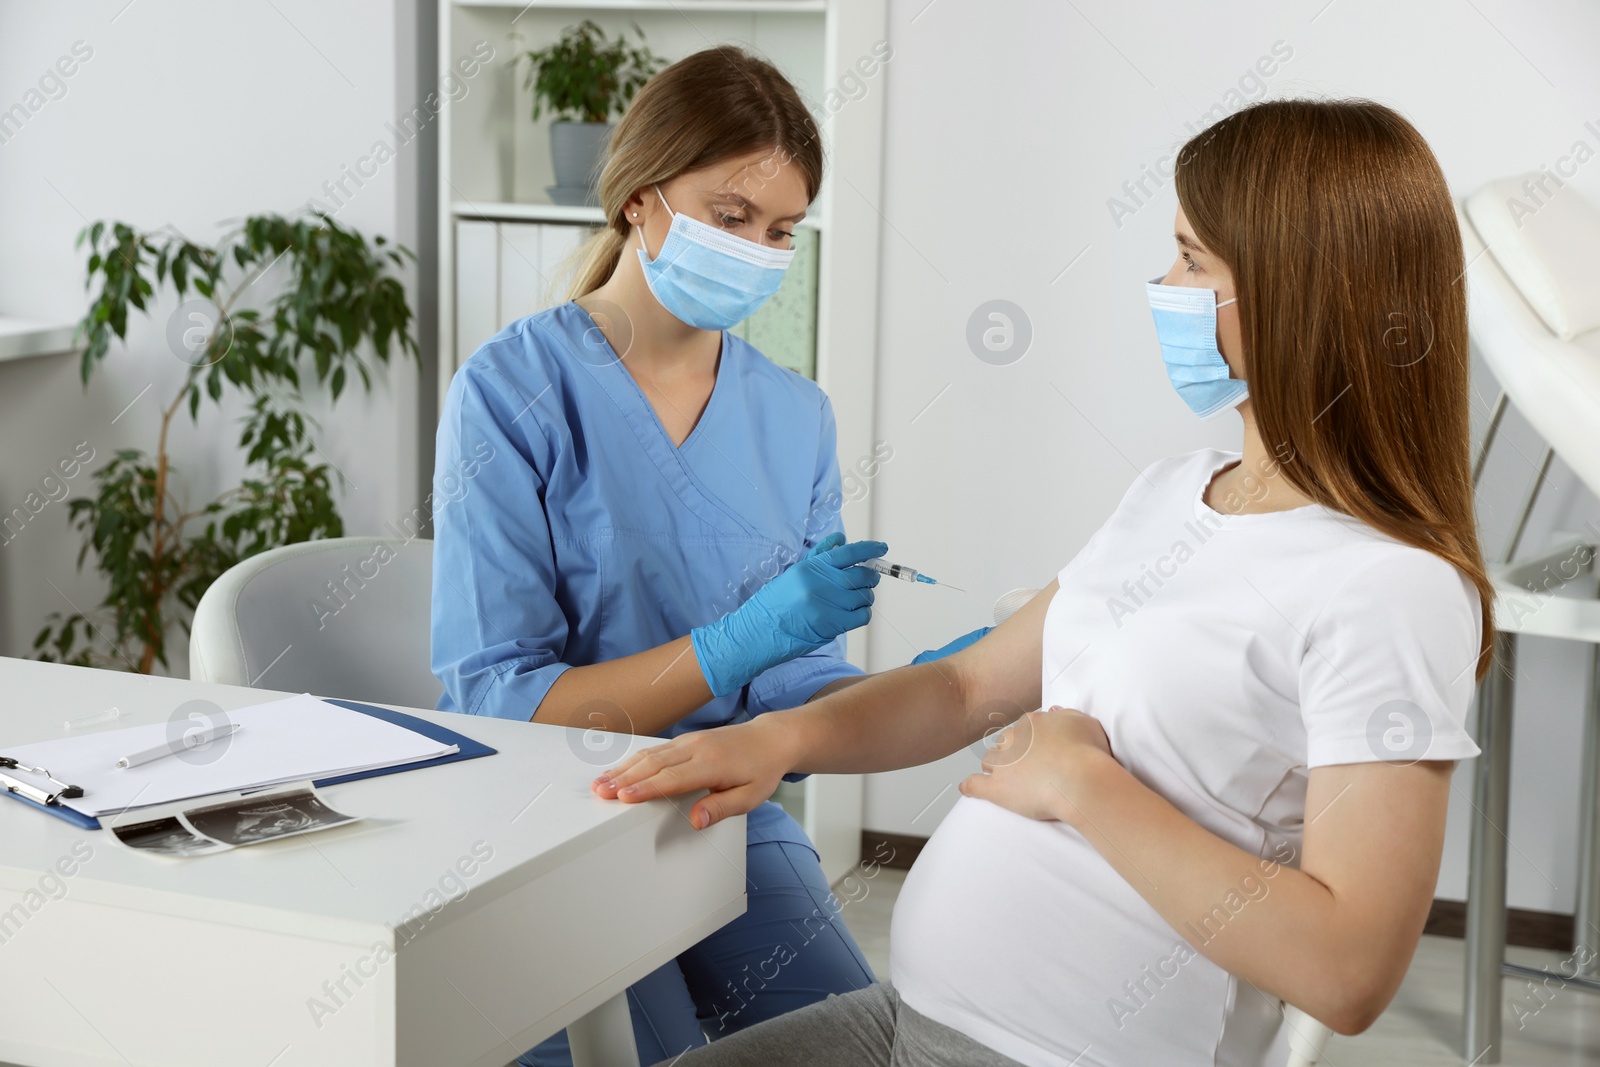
[(586, 76), (339, 298), (57, 647), (115, 523), (293, 499), (332, 301)]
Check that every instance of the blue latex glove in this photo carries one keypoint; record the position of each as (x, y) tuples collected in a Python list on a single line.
[(819, 597), (954, 646)]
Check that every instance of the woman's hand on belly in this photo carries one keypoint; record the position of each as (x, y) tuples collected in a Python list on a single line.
[(1039, 763), (741, 765)]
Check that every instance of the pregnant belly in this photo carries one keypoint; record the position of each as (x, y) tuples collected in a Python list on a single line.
[(1019, 934)]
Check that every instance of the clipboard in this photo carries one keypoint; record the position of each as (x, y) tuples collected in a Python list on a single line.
[(468, 749)]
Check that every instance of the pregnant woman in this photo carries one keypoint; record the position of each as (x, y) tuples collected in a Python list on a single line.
[(644, 532), (1256, 671)]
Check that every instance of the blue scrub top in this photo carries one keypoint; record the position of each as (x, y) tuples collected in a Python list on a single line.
[(569, 530)]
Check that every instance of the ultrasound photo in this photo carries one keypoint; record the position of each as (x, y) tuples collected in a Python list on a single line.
[(166, 837), (254, 819)]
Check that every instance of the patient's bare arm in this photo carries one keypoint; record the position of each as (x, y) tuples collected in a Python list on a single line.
[(900, 718)]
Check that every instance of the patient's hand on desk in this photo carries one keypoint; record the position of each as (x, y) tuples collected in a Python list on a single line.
[(741, 765)]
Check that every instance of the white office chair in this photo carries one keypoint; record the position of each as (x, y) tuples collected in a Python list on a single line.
[(1306, 1038), (342, 617)]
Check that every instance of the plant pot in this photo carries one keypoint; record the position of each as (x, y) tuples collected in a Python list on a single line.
[(575, 155)]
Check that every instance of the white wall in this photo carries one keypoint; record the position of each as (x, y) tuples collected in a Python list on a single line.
[(1010, 125), (189, 114)]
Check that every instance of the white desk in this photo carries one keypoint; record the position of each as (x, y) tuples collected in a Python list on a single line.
[(225, 959)]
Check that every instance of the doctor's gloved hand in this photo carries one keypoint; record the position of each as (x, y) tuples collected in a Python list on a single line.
[(953, 647), (822, 595)]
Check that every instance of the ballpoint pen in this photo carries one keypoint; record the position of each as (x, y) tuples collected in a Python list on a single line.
[(188, 741)]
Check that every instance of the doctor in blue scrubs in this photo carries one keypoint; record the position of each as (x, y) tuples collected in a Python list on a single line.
[(643, 534)]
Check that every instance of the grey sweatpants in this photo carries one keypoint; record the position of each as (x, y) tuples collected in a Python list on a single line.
[(868, 1027)]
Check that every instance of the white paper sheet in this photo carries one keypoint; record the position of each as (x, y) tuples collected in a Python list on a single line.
[(297, 737)]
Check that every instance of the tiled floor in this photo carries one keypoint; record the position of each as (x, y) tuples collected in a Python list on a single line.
[(1421, 1027)]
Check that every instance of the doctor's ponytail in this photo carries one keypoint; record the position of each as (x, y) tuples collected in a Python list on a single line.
[(713, 105), (596, 259)]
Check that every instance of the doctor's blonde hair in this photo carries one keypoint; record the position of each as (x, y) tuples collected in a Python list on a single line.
[(713, 105), (1342, 237)]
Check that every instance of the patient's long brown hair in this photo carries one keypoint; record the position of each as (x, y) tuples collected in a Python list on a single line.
[(1340, 232)]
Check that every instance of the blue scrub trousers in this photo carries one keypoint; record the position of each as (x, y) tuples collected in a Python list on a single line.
[(788, 949)]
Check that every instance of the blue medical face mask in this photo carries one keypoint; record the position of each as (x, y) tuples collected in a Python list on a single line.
[(1186, 327), (710, 278)]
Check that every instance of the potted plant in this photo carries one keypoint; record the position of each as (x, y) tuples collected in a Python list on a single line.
[(582, 80), (343, 298)]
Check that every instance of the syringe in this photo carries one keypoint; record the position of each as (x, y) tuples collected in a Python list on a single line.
[(901, 571)]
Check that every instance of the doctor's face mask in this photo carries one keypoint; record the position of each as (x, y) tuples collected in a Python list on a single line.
[(1186, 327), (709, 278)]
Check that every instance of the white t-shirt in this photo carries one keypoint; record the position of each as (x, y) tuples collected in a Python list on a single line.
[(1225, 655)]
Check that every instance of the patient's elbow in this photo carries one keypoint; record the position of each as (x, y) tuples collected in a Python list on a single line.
[(1357, 1006), (1353, 1021)]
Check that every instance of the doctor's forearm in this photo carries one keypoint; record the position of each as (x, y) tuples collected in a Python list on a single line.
[(644, 693)]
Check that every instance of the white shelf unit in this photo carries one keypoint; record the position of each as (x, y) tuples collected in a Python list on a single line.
[(564, 213), (510, 210), (759, 7), (494, 167)]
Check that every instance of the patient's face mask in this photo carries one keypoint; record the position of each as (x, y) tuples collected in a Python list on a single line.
[(710, 278), (1186, 327)]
